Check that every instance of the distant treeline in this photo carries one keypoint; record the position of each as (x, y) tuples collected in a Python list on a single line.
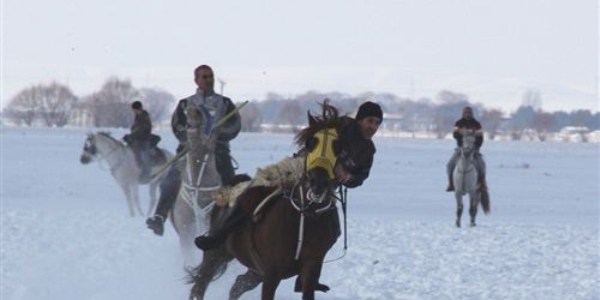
[(56, 105)]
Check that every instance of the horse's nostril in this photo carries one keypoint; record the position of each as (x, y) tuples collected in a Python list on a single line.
[(84, 159)]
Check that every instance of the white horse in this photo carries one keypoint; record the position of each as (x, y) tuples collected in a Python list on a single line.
[(123, 167), (465, 178), (199, 181)]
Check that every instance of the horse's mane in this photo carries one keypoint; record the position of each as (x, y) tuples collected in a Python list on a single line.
[(329, 118), (105, 133), (108, 135)]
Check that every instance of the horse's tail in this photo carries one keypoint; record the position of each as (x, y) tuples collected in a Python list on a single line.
[(485, 200), (193, 273)]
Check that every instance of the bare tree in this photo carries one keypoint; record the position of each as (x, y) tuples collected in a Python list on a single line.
[(51, 104), (158, 103), (23, 108), (57, 102), (542, 122), (110, 106), (452, 98), (251, 117), (491, 120), (291, 113), (532, 98)]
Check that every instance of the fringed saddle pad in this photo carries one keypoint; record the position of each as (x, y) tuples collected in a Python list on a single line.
[(284, 174)]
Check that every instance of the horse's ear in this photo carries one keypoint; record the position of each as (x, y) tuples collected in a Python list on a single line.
[(311, 119)]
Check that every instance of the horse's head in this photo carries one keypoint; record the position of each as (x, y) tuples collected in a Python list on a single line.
[(320, 139), (97, 146), (320, 163), (199, 129), (468, 141), (201, 144), (89, 149)]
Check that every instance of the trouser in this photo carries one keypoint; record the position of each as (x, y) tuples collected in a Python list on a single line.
[(169, 187), (479, 163), (224, 166), (141, 151)]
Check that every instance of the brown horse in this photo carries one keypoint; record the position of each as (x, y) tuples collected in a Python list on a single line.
[(293, 230)]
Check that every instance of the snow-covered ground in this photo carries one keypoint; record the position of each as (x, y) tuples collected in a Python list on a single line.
[(65, 233)]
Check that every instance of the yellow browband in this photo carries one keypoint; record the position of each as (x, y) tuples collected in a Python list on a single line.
[(323, 155)]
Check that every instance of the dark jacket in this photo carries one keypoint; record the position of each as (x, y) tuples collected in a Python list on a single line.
[(141, 129), (228, 131), (468, 124), (356, 152)]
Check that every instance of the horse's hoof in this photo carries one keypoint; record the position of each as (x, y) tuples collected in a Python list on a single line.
[(458, 224), (322, 287), (473, 224)]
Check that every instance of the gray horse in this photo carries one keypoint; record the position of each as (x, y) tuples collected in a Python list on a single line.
[(465, 177), (200, 179), (123, 167)]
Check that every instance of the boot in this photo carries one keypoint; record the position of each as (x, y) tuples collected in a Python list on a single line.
[(219, 235), (450, 187), (169, 188), (156, 224), (320, 287)]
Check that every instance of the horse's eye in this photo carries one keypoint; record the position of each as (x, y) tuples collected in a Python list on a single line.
[(311, 143)]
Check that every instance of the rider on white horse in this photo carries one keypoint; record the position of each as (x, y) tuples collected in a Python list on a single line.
[(214, 107), (139, 139), (468, 122)]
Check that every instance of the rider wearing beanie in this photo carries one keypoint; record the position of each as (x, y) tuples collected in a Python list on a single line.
[(354, 164)]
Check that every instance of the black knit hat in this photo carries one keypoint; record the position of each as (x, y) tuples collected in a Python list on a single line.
[(369, 109), (136, 105)]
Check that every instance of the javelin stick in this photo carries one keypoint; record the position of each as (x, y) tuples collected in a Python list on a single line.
[(184, 151)]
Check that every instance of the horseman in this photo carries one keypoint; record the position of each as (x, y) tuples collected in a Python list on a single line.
[(214, 107), (467, 122), (140, 139), (354, 164)]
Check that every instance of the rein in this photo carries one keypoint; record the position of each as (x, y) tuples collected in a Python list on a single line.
[(343, 198), (303, 208), (104, 156), (190, 192)]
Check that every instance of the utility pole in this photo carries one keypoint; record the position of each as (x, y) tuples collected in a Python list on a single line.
[(222, 83)]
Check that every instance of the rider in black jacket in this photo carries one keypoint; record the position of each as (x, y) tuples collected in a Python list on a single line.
[(467, 122), (354, 165)]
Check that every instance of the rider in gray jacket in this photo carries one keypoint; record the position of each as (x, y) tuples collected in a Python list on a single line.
[(215, 107)]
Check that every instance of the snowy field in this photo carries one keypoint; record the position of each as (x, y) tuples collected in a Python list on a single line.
[(66, 234)]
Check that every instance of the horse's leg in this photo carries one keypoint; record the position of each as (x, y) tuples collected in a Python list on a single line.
[(186, 243), (244, 283), (136, 198), (473, 207), (309, 275), (127, 192), (153, 187), (269, 287), (459, 207), (212, 262)]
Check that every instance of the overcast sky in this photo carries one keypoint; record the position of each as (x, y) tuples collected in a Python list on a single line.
[(490, 50)]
